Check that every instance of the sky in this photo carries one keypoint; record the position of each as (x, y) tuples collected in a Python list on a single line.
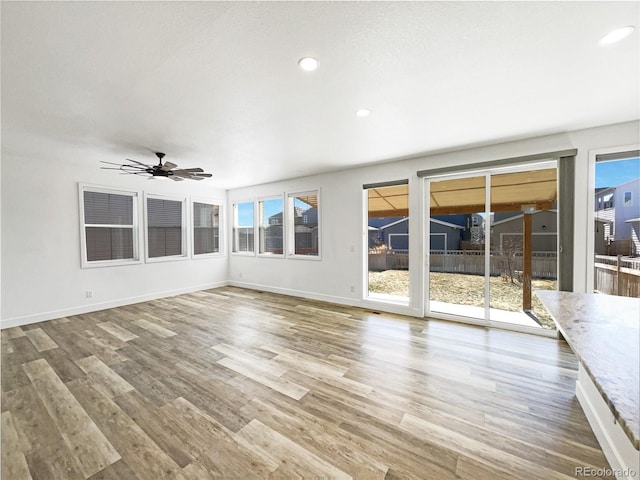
[(610, 174)]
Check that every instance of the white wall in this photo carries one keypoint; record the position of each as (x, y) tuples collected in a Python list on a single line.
[(342, 217), (41, 273), (42, 276)]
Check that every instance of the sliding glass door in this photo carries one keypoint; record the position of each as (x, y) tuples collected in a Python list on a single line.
[(492, 240), (456, 280)]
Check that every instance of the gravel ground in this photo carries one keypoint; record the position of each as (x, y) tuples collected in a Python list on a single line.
[(466, 290)]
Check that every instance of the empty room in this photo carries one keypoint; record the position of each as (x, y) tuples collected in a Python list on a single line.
[(369, 240)]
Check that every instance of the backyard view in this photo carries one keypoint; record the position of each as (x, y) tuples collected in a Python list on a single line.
[(617, 227), (484, 263), (466, 290)]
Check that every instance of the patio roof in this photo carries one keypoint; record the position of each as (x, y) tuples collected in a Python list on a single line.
[(510, 192)]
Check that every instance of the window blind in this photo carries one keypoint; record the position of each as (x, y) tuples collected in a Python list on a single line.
[(109, 226), (164, 228)]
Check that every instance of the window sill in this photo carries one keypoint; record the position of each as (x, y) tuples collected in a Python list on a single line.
[(207, 255), (175, 258), (110, 263), (315, 258)]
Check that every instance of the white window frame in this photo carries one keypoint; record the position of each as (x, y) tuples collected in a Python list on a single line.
[(82, 187), (235, 226), (185, 228), (291, 227), (260, 230), (221, 227)]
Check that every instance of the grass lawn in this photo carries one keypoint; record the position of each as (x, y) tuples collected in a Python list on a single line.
[(466, 290)]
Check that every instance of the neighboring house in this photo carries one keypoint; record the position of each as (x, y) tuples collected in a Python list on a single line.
[(306, 231), (395, 235), (443, 235), (507, 228), (618, 206)]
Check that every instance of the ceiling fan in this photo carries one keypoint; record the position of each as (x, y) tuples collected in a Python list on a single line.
[(167, 169)]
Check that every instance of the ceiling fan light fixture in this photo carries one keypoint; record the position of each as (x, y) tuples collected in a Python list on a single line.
[(167, 170), (616, 35), (308, 64)]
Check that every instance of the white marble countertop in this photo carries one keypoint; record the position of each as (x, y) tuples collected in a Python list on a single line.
[(604, 333)]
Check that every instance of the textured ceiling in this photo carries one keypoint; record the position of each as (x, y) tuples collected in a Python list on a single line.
[(216, 84)]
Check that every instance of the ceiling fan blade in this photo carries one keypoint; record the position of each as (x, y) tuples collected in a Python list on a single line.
[(193, 170), (110, 163), (168, 166), (193, 177), (176, 178), (139, 163), (203, 175), (110, 168), (181, 173)]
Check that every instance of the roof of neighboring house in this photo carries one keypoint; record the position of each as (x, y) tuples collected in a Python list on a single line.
[(447, 224), (394, 223), (632, 220), (520, 215), (434, 220), (620, 185)]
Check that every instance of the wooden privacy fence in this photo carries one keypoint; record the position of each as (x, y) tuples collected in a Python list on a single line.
[(388, 259), (544, 264), (617, 275), (619, 247)]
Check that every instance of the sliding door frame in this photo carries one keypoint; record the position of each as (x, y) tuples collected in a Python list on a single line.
[(565, 164)]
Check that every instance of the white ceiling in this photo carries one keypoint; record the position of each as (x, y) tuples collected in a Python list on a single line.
[(216, 84)]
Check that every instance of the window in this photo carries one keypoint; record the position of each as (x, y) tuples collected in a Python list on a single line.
[(243, 236), (271, 227), (627, 199), (206, 228), (109, 226), (304, 224), (614, 242), (166, 227)]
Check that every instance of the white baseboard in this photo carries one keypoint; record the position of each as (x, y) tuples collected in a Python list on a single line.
[(381, 306), (93, 307), (618, 449)]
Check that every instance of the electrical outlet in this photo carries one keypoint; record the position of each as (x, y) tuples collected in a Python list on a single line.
[(240, 275), (88, 294), (352, 288)]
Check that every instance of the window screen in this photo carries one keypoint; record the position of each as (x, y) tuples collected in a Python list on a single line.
[(243, 231), (206, 228), (271, 227), (303, 210)]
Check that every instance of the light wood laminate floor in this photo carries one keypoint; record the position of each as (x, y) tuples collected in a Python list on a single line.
[(232, 383)]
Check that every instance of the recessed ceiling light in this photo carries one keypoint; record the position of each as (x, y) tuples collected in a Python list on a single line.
[(616, 35), (308, 64), (363, 112)]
